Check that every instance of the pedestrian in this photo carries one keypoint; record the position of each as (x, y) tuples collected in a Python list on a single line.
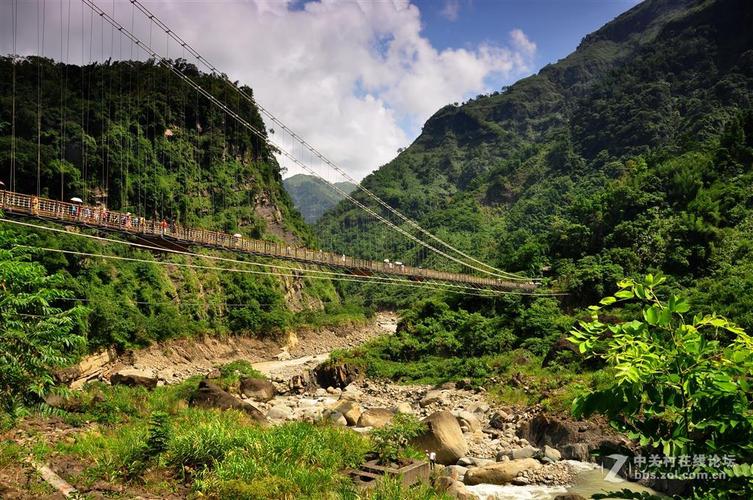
[(163, 226), (432, 460)]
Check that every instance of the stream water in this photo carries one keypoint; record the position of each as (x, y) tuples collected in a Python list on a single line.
[(590, 479)]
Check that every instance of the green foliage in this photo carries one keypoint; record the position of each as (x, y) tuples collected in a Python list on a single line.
[(231, 373), (391, 441), (682, 380), (39, 330), (158, 437)]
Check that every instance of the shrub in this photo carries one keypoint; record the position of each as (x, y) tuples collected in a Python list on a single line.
[(36, 334), (391, 441), (682, 381)]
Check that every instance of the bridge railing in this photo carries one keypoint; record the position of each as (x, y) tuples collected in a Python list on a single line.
[(126, 222)]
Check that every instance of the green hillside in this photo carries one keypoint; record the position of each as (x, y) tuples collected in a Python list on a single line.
[(631, 154), (312, 196), (132, 135)]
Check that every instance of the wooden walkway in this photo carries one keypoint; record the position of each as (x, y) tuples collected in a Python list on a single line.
[(98, 217)]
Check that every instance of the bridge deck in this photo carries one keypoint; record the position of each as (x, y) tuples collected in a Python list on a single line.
[(88, 215)]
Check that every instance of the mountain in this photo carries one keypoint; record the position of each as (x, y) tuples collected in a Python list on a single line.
[(631, 154), (131, 134), (312, 196)]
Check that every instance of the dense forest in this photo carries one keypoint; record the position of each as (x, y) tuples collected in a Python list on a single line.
[(131, 135), (632, 154)]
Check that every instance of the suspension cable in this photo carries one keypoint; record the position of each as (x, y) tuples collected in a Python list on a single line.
[(492, 270), (259, 134), (352, 279), (321, 273)]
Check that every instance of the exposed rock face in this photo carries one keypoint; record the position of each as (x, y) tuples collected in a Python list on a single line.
[(499, 473), (444, 437), (576, 440), (209, 395), (133, 378), (257, 389), (337, 375), (299, 384), (375, 417)]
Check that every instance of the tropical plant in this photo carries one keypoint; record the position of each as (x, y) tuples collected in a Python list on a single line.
[(38, 332), (391, 442), (682, 381)]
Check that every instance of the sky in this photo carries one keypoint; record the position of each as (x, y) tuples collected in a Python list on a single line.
[(355, 78)]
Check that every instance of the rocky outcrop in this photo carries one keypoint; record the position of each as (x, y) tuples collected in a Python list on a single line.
[(500, 472), (209, 395), (575, 439), (134, 378), (444, 437), (257, 389), (337, 375)]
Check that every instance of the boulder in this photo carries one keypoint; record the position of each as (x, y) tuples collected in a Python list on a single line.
[(499, 473), (338, 375), (298, 384), (257, 389), (283, 355), (66, 403), (456, 472), (444, 437), (431, 397), (498, 420), (480, 408), (551, 453), (458, 490), (351, 392), (133, 377), (468, 420), (404, 407), (335, 417), (209, 395), (349, 409), (524, 452), (375, 417)]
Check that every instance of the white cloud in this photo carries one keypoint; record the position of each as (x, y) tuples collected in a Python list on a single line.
[(451, 10), (356, 78)]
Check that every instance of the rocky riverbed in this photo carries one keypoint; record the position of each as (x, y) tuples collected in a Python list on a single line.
[(481, 446), (484, 449)]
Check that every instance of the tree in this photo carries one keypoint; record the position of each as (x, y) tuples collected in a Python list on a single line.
[(36, 334), (682, 382)]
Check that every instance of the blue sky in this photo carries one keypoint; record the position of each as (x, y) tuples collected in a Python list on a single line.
[(556, 26)]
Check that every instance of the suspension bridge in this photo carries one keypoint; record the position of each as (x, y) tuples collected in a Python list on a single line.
[(475, 276)]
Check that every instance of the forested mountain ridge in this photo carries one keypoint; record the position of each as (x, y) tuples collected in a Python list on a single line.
[(312, 196), (131, 135), (631, 154)]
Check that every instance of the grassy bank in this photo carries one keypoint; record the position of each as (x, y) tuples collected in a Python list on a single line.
[(124, 441)]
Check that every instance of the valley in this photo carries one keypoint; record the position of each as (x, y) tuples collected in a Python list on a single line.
[(503, 272)]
